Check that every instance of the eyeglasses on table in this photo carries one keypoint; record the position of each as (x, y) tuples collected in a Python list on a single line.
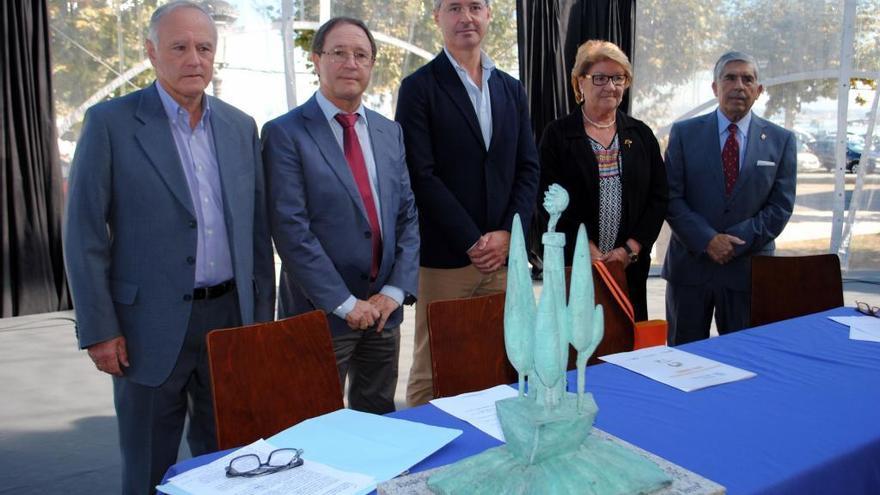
[(250, 465), (867, 309)]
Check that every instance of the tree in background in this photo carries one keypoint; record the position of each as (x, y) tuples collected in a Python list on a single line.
[(92, 43)]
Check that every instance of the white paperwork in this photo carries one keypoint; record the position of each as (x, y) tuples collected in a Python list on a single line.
[(478, 408), (676, 368), (311, 478), (860, 327)]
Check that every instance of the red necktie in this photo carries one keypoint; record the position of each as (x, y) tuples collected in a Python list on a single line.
[(730, 159), (355, 158)]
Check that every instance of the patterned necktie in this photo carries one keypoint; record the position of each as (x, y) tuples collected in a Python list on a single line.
[(730, 159), (355, 158)]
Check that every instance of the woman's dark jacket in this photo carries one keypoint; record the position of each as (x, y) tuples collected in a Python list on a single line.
[(567, 159)]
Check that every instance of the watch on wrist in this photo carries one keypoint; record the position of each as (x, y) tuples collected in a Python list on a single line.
[(633, 257)]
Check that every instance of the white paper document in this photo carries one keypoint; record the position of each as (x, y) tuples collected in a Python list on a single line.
[(676, 368), (311, 478), (860, 327), (478, 408)]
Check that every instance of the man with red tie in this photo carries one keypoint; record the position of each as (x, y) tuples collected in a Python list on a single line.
[(343, 215), (731, 178)]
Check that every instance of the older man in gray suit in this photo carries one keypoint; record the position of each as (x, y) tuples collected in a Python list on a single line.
[(166, 237), (343, 215), (731, 192)]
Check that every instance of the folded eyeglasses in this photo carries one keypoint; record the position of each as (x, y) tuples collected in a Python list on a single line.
[(250, 465), (867, 309)]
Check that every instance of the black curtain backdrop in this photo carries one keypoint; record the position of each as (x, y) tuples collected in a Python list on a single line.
[(32, 267), (549, 32)]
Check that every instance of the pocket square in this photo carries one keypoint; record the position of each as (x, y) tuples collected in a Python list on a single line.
[(765, 163)]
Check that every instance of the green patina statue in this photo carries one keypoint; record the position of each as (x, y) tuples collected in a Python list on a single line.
[(549, 448)]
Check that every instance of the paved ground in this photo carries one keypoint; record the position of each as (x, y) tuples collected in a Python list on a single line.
[(57, 425)]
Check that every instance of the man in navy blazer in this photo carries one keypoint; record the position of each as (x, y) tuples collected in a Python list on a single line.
[(731, 192), (343, 215), (473, 163), (166, 237)]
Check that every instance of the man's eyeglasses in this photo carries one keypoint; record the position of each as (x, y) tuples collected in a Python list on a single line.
[(867, 309), (602, 79), (250, 465), (361, 59)]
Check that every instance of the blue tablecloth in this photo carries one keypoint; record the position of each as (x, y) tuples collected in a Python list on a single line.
[(808, 423)]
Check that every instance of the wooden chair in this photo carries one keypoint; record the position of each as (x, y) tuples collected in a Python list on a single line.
[(466, 337), (788, 286), (270, 376)]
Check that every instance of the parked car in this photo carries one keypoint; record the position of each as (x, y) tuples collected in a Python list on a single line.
[(825, 146), (807, 161)]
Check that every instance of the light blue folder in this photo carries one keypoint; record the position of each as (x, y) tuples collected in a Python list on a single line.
[(377, 446)]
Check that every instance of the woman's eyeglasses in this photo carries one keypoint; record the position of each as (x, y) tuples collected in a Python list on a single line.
[(602, 79), (250, 465)]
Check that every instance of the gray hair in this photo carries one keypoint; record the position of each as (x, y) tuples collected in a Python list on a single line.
[(734, 56), (438, 3), (162, 11)]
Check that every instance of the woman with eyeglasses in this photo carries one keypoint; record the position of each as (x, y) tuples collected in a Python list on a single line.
[(610, 163)]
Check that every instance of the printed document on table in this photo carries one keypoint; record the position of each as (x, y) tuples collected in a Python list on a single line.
[(478, 408), (676, 368), (860, 327), (311, 478)]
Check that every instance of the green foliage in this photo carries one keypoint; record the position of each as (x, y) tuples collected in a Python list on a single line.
[(84, 31)]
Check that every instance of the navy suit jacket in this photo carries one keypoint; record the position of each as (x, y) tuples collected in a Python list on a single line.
[(462, 190), (319, 223), (756, 211), (130, 229)]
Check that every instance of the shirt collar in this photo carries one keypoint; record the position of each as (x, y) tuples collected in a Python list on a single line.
[(173, 109), (743, 123), (330, 110), (487, 63)]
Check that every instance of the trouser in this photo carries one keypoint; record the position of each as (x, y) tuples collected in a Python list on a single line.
[(151, 418), (436, 284), (369, 360), (689, 310)]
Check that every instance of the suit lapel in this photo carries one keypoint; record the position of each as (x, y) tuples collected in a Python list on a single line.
[(713, 152), (158, 144), (753, 148), (319, 129), (451, 84), (228, 154), (499, 107), (383, 149)]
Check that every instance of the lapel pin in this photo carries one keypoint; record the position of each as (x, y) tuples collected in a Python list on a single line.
[(627, 142), (763, 136)]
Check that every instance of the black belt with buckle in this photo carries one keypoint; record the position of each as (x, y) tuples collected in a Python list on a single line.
[(213, 291)]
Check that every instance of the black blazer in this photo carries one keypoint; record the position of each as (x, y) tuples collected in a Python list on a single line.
[(568, 160), (462, 190)]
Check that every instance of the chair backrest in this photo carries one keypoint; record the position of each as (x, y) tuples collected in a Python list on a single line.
[(467, 345), (789, 286), (270, 376)]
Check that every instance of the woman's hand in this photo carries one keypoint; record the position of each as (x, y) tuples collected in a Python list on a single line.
[(617, 254)]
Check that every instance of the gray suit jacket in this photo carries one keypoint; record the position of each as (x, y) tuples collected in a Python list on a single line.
[(756, 211), (319, 224), (130, 229)]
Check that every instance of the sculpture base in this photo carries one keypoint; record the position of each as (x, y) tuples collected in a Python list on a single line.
[(598, 467), (534, 433)]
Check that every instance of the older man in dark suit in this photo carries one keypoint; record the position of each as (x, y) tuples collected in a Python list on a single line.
[(731, 192), (343, 215), (473, 164), (166, 237)]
